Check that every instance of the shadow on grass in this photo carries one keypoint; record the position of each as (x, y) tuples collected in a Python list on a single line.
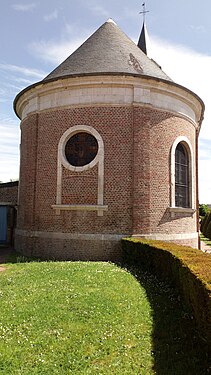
[(177, 347)]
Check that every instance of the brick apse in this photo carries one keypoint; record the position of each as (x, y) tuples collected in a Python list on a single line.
[(108, 150)]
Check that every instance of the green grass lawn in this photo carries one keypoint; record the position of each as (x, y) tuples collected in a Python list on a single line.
[(93, 318), (205, 239)]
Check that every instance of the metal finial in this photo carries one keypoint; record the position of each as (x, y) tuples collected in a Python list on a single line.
[(144, 11)]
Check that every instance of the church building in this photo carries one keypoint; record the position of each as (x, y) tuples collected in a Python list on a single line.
[(109, 149)]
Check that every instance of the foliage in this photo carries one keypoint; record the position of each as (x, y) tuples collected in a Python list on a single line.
[(204, 222), (203, 209), (185, 267), (208, 230)]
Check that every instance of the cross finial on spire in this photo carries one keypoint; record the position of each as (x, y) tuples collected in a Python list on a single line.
[(142, 39), (144, 11)]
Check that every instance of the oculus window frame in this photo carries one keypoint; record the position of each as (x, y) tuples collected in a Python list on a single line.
[(97, 159)]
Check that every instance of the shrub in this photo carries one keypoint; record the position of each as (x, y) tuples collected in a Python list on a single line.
[(204, 223), (208, 231), (187, 268), (203, 220), (203, 209)]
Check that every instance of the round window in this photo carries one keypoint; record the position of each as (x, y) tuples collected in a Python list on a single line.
[(81, 149)]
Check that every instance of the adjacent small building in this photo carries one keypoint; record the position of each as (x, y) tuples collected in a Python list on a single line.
[(8, 211), (109, 148)]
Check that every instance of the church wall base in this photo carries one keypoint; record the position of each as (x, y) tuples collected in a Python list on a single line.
[(84, 247), (64, 246)]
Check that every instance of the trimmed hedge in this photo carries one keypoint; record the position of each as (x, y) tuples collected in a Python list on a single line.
[(187, 268)]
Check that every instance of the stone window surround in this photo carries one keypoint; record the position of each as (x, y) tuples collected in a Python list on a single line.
[(62, 162), (182, 210)]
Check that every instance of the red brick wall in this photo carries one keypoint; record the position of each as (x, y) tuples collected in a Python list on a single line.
[(154, 135), (137, 142), (73, 184), (9, 192), (115, 125)]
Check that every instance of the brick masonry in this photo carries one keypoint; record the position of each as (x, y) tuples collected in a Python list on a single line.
[(137, 141), (9, 193), (155, 132), (8, 199)]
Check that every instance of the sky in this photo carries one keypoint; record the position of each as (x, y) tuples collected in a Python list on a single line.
[(38, 35)]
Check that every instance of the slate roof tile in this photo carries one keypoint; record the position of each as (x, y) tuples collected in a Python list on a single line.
[(106, 51)]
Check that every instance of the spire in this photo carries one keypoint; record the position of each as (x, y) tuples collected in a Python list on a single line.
[(142, 39)]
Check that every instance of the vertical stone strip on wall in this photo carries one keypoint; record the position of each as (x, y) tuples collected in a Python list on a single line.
[(141, 172), (27, 197)]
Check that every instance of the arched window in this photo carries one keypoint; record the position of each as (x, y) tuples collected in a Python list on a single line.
[(182, 177)]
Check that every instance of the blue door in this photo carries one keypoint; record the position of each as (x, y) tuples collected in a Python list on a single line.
[(3, 224)]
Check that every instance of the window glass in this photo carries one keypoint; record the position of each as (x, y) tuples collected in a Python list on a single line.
[(181, 177), (81, 149)]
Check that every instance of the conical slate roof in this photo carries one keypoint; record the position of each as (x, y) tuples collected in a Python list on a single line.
[(106, 51)]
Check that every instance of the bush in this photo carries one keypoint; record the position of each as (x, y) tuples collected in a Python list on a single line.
[(187, 268), (204, 223), (203, 209), (208, 231), (203, 220)]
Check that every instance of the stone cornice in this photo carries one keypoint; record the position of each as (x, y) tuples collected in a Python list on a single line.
[(113, 90)]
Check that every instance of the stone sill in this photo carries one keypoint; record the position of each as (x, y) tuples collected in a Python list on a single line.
[(80, 207), (181, 210)]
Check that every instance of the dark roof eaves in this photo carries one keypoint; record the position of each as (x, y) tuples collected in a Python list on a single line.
[(158, 79), (9, 184)]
